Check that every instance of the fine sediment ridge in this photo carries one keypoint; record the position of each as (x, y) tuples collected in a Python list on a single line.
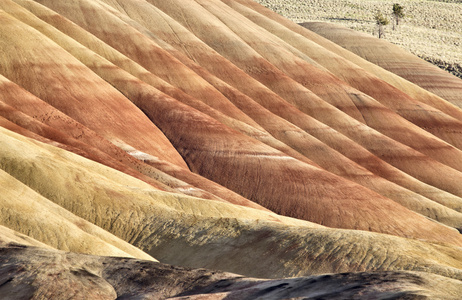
[(212, 149)]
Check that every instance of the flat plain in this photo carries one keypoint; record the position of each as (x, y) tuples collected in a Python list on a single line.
[(430, 29)]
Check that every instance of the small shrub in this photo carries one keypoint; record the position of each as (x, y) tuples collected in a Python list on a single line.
[(381, 21), (397, 14)]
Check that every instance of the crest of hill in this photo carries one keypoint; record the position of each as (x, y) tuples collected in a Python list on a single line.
[(52, 225), (9, 236)]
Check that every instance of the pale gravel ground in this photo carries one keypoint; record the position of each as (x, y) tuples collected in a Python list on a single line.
[(430, 29)]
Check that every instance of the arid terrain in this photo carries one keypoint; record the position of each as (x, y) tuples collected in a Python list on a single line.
[(214, 149), (429, 29)]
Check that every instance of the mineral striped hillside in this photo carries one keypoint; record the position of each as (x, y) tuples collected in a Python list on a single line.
[(212, 149)]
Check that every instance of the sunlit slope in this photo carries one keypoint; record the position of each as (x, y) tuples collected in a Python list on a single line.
[(185, 231), (61, 80), (301, 146), (170, 30), (52, 126), (444, 126), (402, 84), (280, 68), (394, 59), (52, 162), (16, 96), (51, 224), (209, 136), (216, 134), (428, 141), (9, 236)]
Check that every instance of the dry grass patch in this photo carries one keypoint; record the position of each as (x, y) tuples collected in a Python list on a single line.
[(429, 29)]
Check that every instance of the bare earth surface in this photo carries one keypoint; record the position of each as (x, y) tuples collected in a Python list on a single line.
[(46, 274), (430, 29), (213, 149)]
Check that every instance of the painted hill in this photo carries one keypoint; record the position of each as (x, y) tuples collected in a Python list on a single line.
[(395, 60), (219, 135)]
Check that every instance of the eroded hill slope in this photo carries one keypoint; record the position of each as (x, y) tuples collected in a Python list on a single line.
[(217, 134)]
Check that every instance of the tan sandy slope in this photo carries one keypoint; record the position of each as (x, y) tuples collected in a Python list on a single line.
[(185, 231), (217, 134), (394, 59), (265, 196)]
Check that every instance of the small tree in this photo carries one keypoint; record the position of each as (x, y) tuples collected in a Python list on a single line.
[(397, 14), (381, 21)]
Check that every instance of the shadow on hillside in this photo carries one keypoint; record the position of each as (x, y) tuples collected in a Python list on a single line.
[(348, 19)]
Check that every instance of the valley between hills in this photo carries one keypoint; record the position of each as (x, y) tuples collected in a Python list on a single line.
[(214, 149)]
